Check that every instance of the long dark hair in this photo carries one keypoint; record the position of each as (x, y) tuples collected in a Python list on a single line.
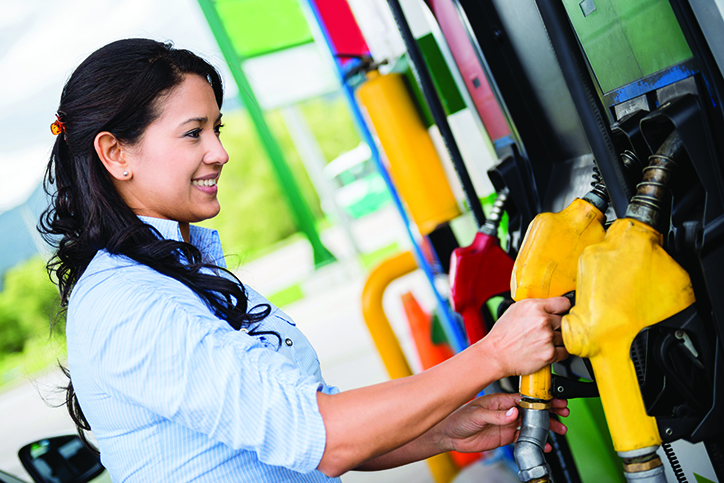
[(118, 89)]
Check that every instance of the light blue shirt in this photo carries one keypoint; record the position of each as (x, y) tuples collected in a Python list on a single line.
[(175, 394)]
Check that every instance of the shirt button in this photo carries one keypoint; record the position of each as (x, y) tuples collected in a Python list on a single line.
[(288, 342)]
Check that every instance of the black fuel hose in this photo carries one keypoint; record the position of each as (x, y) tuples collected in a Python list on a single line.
[(424, 78), (580, 85)]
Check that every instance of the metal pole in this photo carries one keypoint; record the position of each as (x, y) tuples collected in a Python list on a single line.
[(290, 190), (438, 112), (314, 161)]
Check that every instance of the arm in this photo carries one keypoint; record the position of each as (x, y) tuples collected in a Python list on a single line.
[(366, 423), (485, 423)]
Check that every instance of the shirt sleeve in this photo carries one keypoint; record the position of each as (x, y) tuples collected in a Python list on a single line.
[(167, 353)]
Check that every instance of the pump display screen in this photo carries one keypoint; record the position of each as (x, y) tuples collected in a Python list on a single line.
[(626, 40)]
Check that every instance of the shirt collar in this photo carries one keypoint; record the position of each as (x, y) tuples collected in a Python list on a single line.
[(205, 239)]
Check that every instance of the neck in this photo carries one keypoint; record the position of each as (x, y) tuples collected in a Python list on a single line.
[(185, 231)]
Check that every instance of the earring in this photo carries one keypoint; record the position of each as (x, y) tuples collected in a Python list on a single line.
[(125, 173)]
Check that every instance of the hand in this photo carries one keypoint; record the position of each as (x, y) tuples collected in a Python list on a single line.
[(527, 337), (489, 422)]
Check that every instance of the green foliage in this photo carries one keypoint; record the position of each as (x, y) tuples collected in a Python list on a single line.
[(332, 125), (254, 215), (28, 304)]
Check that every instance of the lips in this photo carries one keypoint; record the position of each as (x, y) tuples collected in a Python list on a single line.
[(207, 184)]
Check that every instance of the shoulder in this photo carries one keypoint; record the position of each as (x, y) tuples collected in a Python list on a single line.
[(116, 288)]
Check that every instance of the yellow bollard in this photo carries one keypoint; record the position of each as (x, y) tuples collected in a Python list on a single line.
[(441, 466), (625, 284)]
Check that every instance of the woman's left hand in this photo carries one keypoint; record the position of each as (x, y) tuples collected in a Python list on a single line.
[(489, 422)]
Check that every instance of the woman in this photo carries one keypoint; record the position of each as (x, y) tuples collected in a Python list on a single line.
[(183, 373)]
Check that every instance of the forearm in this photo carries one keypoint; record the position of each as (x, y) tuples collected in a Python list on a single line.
[(365, 423), (430, 443)]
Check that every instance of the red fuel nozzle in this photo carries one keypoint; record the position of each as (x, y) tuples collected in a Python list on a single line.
[(477, 273)]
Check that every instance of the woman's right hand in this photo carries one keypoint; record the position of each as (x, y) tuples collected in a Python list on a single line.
[(527, 337)]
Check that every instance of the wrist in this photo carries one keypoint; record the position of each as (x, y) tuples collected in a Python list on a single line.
[(486, 351), (438, 440)]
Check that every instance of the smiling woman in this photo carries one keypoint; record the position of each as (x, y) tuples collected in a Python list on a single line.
[(183, 152), (182, 372)]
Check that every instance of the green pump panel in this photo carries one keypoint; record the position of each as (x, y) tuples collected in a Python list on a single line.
[(620, 44)]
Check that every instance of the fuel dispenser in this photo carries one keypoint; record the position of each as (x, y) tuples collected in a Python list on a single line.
[(638, 87)]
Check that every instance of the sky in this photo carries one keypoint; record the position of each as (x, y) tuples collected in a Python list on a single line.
[(41, 43)]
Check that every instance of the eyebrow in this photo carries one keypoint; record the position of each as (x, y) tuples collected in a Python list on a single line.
[(200, 119)]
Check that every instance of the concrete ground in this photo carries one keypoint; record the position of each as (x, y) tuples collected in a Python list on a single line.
[(330, 315)]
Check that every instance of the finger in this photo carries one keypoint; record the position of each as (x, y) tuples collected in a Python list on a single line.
[(498, 401), (556, 305), (562, 412), (556, 321), (557, 338), (559, 403), (547, 448), (558, 427), (560, 354), (500, 418)]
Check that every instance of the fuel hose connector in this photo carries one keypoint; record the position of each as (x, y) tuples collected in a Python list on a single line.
[(528, 453)]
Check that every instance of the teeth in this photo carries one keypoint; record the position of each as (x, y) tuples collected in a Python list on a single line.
[(204, 182)]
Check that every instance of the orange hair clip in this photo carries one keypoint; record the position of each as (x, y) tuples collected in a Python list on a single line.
[(58, 126)]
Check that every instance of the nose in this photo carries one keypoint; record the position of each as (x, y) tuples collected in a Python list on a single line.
[(216, 154)]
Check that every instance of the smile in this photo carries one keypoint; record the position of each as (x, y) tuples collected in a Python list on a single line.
[(205, 182)]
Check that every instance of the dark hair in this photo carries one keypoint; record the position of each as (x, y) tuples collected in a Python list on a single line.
[(119, 89)]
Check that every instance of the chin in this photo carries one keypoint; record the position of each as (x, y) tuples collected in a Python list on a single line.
[(208, 214)]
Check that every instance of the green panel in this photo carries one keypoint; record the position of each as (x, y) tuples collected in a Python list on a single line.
[(626, 40), (259, 27), (444, 82), (591, 443), (402, 66)]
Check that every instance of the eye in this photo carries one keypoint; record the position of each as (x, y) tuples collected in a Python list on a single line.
[(194, 133), (217, 129)]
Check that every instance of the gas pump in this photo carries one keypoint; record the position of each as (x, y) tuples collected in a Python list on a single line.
[(625, 82)]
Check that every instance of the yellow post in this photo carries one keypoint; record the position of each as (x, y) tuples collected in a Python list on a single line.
[(441, 466), (625, 284)]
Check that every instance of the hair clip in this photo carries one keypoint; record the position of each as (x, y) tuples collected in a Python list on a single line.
[(58, 126)]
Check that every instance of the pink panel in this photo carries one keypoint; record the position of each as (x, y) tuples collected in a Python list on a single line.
[(470, 68)]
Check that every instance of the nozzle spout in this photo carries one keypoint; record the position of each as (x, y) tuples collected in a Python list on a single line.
[(528, 451)]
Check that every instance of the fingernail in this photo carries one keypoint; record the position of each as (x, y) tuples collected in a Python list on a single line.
[(510, 412)]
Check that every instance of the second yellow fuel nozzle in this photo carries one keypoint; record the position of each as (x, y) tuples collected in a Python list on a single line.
[(627, 283), (546, 266)]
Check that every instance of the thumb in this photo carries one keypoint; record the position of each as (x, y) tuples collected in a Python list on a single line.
[(502, 417)]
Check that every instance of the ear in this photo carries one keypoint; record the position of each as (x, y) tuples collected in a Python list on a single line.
[(112, 155)]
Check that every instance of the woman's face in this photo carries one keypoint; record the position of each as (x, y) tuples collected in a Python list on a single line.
[(175, 167)]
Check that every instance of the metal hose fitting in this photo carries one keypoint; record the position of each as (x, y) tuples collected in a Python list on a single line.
[(598, 196), (644, 468), (528, 451), (490, 227), (653, 190)]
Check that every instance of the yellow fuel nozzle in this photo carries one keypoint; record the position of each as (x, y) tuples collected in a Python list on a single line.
[(547, 263), (546, 266), (627, 283)]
